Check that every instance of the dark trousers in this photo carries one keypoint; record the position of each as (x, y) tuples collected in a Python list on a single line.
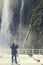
[(14, 55)]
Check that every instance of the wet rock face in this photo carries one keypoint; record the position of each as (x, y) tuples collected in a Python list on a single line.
[(15, 6), (26, 12)]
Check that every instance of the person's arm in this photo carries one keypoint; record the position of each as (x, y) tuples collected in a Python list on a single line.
[(11, 47), (16, 46)]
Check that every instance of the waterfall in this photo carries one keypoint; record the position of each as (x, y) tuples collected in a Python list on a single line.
[(6, 19), (22, 6), (28, 37), (20, 25)]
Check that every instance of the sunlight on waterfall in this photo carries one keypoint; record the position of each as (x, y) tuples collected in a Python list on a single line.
[(6, 19)]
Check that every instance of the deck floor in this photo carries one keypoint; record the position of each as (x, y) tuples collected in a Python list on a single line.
[(22, 60)]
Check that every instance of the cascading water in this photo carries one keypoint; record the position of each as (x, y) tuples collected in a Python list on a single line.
[(27, 36), (22, 6), (6, 20), (20, 25)]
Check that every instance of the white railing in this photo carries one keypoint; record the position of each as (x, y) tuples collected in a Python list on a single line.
[(30, 51), (23, 51)]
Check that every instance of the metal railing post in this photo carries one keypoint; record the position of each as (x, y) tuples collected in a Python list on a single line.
[(39, 51), (32, 51)]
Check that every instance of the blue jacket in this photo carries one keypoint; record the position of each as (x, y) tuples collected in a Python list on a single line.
[(14, 50)]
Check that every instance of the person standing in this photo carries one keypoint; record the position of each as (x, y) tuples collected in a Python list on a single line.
[(14, 52)]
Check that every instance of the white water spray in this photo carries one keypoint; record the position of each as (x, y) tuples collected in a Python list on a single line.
[(27, 35), (20, 25), (22, 6), (6, 19)]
